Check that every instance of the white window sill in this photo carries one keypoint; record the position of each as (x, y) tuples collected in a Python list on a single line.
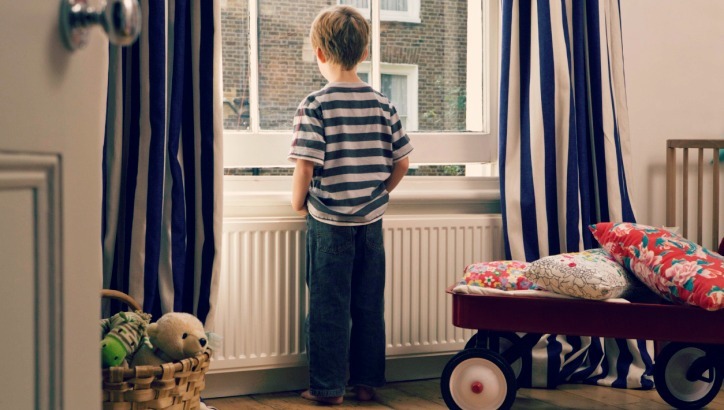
[(270, 196)]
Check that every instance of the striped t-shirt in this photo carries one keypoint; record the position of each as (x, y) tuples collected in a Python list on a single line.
[(353, 136)]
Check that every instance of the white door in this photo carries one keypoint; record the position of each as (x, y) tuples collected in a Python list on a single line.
[(52, 109)]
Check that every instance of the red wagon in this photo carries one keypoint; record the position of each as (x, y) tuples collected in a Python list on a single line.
[(688, 371)]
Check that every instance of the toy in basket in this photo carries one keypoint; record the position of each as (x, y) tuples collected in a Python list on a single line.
[(167, 371)]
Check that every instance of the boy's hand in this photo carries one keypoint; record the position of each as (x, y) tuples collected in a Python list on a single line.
[(303, 211), (399, 169)]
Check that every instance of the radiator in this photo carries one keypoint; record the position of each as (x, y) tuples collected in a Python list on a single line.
[(262, 299)]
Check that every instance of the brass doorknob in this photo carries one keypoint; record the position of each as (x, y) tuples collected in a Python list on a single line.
[(121, 20)]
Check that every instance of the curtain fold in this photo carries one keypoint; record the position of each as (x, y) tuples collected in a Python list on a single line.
[(162, 161), (563, 156)]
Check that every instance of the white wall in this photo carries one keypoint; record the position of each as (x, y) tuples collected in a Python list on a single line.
[(674, 61)]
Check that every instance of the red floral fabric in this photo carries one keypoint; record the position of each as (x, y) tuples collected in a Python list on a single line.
[(677, 269)]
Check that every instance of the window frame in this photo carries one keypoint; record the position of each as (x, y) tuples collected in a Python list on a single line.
[(262, 148)]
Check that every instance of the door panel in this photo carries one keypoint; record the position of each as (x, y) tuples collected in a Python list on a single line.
[(51, 132), (16, 211)]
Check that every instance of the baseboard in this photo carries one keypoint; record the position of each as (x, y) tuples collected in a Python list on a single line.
[(295, 378), (254, 382)]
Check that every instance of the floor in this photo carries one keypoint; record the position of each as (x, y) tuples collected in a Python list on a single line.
[(425, 394)]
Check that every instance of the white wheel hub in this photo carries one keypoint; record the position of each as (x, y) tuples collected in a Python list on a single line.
[(477, 383)]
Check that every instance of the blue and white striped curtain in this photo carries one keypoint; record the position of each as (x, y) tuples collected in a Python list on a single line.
[(564, 132), (162, 161), (564, 149)]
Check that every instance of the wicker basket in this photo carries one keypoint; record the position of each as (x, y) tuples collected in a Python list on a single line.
[(172, 386)]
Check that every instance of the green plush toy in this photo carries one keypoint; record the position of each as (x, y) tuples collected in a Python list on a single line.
[(122, 334)]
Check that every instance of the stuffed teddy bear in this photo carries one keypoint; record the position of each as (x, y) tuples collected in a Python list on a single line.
[(121, 335), (173, 337)]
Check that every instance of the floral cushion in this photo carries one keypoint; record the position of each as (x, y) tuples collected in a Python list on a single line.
[(503, 275), (674, 267), (591, 274)]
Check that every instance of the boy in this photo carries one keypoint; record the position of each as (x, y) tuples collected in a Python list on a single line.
[(350, 152)]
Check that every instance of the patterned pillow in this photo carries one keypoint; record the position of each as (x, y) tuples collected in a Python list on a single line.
[(591, 274), (503, 275), (674, 267)]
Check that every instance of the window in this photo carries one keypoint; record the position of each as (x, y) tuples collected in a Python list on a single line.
[(390, 10), (441, 74), (399, 84)]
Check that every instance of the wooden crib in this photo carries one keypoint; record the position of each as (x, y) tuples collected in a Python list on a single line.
[(678, 179)]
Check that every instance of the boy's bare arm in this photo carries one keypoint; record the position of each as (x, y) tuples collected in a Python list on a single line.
[(399, 169), (303, 171)]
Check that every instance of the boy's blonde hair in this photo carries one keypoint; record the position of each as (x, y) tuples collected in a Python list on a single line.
[(342, 34)]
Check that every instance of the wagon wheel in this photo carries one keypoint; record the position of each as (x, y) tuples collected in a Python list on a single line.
[(687, 377), (478, 379), (507, 344)]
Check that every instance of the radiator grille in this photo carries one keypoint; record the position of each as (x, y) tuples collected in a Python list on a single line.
[(262, 299)]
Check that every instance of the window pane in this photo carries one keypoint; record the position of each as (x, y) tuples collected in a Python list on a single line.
[(235, 55), (438, 46), (288, 71), (423, 65)]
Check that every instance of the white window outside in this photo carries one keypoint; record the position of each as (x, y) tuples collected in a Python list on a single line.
[(399, 84), (407, 11)]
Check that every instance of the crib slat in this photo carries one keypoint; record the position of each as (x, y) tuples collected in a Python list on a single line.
[(685, 195), (670, 186), (700, 196), (715, 207)]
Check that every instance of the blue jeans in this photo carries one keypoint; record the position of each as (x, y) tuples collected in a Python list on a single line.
[(345, 324)]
